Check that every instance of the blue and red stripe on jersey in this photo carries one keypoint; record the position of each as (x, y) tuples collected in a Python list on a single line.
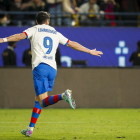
[(26, 34), (66, 42)]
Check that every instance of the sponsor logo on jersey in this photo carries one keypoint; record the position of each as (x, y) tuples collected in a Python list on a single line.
[(48, 57), (46, 30)]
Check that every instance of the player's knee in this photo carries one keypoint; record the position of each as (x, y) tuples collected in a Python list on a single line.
[(41, 104), (41, 97)]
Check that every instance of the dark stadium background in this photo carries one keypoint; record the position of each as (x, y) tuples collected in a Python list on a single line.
[(102, 38)]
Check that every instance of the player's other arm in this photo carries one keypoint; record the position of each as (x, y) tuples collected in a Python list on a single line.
[(77, 46), (15, 37)]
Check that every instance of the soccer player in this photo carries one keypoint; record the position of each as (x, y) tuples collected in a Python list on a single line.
[(44, 42)]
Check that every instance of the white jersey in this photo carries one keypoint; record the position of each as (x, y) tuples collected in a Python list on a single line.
[(44, 42)]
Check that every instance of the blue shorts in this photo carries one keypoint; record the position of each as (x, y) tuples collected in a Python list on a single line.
[(43, 76)]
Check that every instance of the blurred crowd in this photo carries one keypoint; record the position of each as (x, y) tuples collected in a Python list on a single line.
[(75, 12)]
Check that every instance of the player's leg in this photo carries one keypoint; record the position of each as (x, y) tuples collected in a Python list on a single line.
[(45, 85), (43, 100), (43, 82), (44, 77), (50, 100), (38, 85), (35, 114), (41, 85)]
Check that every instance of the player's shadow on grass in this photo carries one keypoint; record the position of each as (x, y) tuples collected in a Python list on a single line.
[(34, 138), (27, 138)]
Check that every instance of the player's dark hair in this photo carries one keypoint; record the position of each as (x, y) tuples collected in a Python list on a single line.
[(138, 43), (42, 16), (11, 43)]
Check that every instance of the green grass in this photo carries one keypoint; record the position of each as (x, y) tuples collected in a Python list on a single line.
[(69, 124)]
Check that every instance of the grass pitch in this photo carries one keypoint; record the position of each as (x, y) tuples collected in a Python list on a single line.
[(69, 124)]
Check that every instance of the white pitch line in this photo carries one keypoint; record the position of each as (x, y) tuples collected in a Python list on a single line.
[(45, 122)]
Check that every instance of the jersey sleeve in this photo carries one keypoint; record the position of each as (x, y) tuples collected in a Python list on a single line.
[(63, 40), (29, 32)]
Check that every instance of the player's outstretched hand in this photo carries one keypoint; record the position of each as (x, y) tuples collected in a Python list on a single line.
[(1, 40), (97, 53)]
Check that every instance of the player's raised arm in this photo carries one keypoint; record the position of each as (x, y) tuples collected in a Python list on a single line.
[(15, 37), (77, 46)]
